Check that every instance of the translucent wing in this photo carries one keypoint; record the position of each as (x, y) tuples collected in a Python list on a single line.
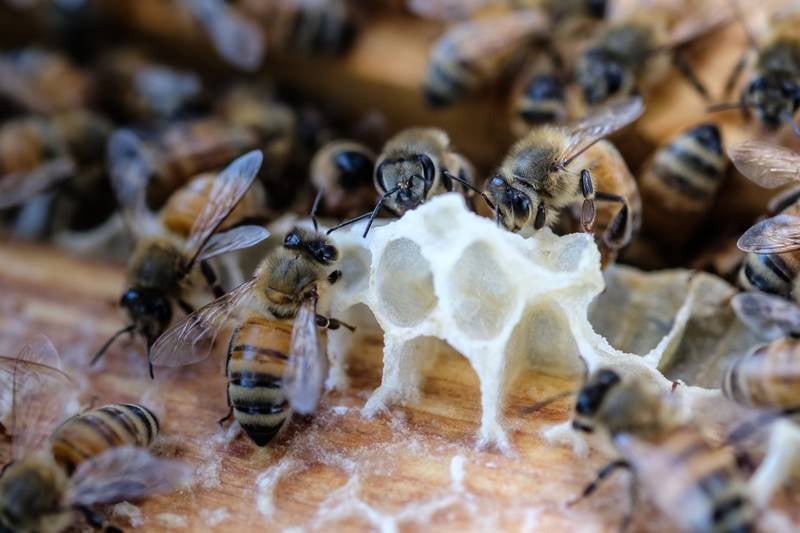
[(227, 191), (767, 314), (307, 368), (766, 164), (39, 391), (190, 340), (130, 170), (124, 473), (601, 123), (18, 187), (233, 239), (776, 235), (237, 40)]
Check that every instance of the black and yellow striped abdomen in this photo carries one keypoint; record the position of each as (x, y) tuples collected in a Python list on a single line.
[(771, 273), (698, 485), (680, 183), (95, 431), (257, 358), (768, 376)]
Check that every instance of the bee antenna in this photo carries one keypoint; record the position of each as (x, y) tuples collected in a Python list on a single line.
[(110, 341), (787, 117), (314, 208), (471, 187), (715, 108)]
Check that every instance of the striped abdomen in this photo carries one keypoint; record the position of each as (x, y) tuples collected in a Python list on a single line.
[(680, 183), (771, 273), (93, 432), (768, 376), (257, 358), (539, 100), (700, 487)]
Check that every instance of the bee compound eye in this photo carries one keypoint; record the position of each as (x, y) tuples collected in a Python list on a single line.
[(292, 240), (428, 168)]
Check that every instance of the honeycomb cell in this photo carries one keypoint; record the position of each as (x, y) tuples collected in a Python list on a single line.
[(405, 284)]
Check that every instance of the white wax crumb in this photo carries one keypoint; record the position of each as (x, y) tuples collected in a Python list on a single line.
[(213, 518), (340, 409), (777, 522), (564, 434), (129, 512), (172, 521), (266, 483), (208, 472), (457, 472)]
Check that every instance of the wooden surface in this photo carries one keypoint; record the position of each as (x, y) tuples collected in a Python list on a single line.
[(399, 470)]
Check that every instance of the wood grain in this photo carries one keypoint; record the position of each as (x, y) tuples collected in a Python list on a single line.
[(398, 471)]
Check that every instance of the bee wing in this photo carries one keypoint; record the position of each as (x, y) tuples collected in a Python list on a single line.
[(190, 340), (228, 189), (775, 235), (307, 367), (130, 170), (600, 124), (124, 473), (233, 239), (36, 390), (765, 313), (18, 187), (237, 39), (766, 164), (15, 87)]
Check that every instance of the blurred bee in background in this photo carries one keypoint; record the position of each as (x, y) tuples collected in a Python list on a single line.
[(539, 96), (273, 367), (414, 165), (635, 51), (305, 26), (558, 10), (235, 36), (545, 172), (772, 245), (38, 152), (97, 457), (141, 89), (699, 486), (680, 182), (164, 266), (773, 91), (343, 171), (35, 80)]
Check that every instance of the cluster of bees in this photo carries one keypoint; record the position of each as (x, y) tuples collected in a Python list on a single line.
[(198, 170)]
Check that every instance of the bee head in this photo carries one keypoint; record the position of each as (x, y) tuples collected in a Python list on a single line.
[(86, 134), (29, 495), (589, 404), (515, 208), (596, 8), (316, 246), (407, 180), (149, 310), (774, 97), (601, 76), (354, 167)]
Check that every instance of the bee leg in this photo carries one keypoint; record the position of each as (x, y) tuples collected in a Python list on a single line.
[(97, 522), (211, 279), (587, 209), (688, 73), (332, 323), (185, 306), (602, 475), (618, 234), (227, 417), (735, 74)]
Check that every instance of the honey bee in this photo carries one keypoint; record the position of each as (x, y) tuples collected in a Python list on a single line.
[(273, 367), (179, 151), (305, 26), (772, 261), (145, 90), (773, 90), (544, 172), (680, 181), (634, 52), (762, 378), (698, 485), (97, 457), (163, 265), (38, 152), (35, 80), (235, 36), (343, 171), (414, 165), (538, 97)]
